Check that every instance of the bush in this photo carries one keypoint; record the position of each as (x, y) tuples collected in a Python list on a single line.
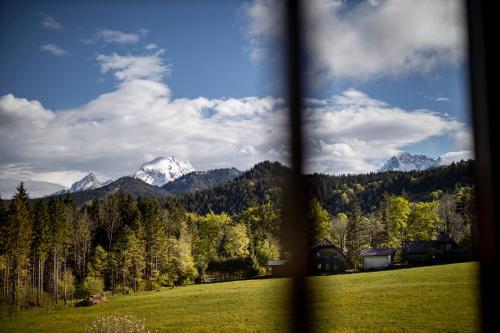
[(117, 324), (91, 285)]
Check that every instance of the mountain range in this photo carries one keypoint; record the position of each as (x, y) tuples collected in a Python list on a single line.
[(408, 162), (167, 177)]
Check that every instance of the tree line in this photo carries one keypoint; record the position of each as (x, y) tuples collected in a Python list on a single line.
[(52, 251)]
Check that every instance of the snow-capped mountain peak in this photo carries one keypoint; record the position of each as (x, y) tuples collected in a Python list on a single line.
[(89, 182), (163, 170), (406, 162)]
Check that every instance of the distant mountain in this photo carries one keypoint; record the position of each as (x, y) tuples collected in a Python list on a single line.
[(89, 182), (409, 162), (201, 180), (194, 181), (128, 185), (161, 170)]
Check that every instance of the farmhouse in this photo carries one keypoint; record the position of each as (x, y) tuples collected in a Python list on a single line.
[(326, 258), (377, 258), (441, 249)]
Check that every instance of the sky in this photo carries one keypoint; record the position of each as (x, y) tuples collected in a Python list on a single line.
[(104, 86)]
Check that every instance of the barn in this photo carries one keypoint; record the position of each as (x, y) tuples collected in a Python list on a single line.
[(326, 258), (377, 258)]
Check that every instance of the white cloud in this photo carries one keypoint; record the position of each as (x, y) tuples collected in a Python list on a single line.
[(116, 36), (371, 39), (131, 67), (17, 113), (456, 156), (393, 38), (65, 178), (50, 23), (151, 46), (264, 27), (54, 50), (117, 131), (354, 133), (113, 134)]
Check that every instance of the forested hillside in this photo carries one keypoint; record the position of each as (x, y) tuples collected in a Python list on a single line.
[(267, 181)]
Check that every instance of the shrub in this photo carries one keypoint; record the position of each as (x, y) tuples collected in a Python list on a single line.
[(91, 285), (117, 323)]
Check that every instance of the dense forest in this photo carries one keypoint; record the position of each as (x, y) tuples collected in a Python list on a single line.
[(52, 250), (266, 182)]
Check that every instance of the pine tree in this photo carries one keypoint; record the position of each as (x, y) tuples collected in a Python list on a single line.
[(4, 292), (111, 221), (356, 235), (60, 230), (18, 242), (41, 243)]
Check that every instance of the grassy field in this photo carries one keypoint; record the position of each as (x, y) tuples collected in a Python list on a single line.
[(427, 299)]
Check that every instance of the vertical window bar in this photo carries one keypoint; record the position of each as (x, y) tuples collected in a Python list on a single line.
[(297, 223), (486, 168)]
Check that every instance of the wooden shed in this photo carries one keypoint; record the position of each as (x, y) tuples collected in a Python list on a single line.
[(377, 258), (326, 258), (278, 267)]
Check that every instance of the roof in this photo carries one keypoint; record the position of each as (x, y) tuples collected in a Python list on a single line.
[(418, 246), (377, 252), (443, 237), (422, 246), (326, 243), (276, 262)]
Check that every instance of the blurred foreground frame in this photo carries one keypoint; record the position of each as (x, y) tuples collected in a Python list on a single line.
[(481, 45), (481, 56)]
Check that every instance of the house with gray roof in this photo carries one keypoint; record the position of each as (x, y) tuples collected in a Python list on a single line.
[(374, 258)]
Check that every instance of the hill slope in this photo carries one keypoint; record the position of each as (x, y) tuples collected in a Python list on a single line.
[(201, 180), (267, 181)]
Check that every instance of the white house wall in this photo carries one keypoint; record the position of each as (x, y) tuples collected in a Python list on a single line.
[(373, 262)]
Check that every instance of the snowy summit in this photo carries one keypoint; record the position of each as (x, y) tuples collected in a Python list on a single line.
[(407, 162), (89, 182), (163, 170)]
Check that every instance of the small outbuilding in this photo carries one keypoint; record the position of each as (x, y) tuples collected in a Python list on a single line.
[(278, 267), (377, 258), (326, 258)]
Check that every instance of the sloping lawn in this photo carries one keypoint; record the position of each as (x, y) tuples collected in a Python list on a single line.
[(426, 299)]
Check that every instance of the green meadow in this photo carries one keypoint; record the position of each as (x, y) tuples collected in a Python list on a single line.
[(425, 299)]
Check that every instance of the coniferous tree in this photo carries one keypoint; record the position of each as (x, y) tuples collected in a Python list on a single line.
[(18, 243), (60, 230), (40, 245), (3, 252), (356, 237)]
